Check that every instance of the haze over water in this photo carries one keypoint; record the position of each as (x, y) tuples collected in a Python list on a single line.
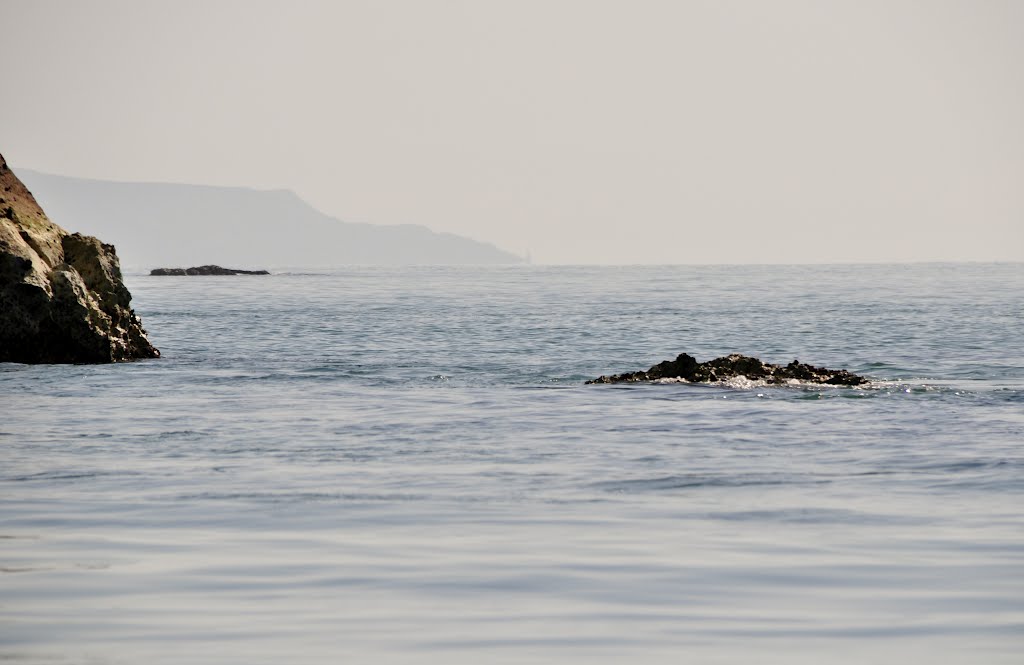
[(580, 131), (402, 465)]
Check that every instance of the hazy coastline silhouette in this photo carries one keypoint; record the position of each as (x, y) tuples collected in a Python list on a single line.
[(164, 224)]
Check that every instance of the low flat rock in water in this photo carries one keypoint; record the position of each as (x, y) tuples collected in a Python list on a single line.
[(686, 367), (205, 270)]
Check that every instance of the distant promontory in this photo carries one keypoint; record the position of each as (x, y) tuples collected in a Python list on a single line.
[(165, 224)]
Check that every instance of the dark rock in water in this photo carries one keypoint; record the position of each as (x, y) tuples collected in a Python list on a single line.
[(205, 270), (687, 368), (61, 295)]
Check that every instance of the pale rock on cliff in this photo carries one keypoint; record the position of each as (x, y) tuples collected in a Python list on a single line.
[(61, 295)]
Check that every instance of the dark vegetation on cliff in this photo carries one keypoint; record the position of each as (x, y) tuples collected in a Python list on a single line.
[(61, 295)]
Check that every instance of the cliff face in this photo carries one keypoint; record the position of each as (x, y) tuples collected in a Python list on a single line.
[(61, 295)]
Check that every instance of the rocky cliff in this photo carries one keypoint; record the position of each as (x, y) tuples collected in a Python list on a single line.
[(61, 295)]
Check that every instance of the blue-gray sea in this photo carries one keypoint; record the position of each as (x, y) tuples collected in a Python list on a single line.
[(402, 465)]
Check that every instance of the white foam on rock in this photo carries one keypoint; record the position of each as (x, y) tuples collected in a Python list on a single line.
[(741, 382)]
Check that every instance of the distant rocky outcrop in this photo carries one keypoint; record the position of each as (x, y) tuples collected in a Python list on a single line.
[(61, 295), (204, 270), (686, 367)]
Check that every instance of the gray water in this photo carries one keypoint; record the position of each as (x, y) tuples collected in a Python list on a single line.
[(403, 466)]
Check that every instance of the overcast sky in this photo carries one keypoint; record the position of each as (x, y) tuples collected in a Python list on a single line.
[(584, 132)]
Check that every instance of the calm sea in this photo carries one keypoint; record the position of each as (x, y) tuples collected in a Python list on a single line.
[(404, 466)]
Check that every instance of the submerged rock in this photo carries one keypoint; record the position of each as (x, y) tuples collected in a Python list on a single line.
[(61, 295), (686, 367), (204, 270)]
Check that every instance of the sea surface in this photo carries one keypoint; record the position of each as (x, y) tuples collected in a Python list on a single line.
[(379, 465)]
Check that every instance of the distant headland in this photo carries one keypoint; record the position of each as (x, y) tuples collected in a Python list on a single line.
[(204, 270), (161, 224)]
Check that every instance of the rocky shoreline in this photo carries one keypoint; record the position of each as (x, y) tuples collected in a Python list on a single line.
[(62, 299), (686, 368)]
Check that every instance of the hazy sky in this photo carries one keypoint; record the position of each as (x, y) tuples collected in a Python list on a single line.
[(586, 132)]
